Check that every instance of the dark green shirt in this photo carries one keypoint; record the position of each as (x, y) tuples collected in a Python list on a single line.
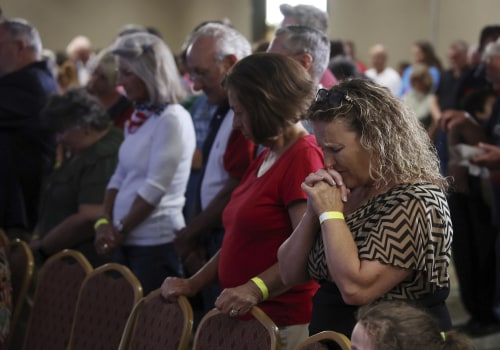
[(79, 180)]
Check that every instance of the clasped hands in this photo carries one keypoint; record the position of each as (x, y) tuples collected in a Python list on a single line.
[(325, 190), (107, 238)]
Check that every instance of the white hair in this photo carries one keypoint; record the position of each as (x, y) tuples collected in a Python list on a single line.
[(20, 29), (228, 41), (152, 61), (306, 39)]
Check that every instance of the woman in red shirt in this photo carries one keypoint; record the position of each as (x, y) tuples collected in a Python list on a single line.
[(269, 94)]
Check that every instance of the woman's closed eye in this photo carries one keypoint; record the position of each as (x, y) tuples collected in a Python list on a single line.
[(333, 149)]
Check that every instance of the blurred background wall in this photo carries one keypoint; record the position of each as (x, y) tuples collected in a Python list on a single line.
[(395, 23)]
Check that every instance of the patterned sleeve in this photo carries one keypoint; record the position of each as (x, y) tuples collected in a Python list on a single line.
[(412, 230)]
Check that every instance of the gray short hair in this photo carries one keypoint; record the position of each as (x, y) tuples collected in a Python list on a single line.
[(20, 29), (152, 61), (76, 107), (310, 40), (460, 45), (227, 40), (306, 15)]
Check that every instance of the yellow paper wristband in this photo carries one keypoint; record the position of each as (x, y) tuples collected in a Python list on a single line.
[(327, 215), (101, 221), (262, 286)]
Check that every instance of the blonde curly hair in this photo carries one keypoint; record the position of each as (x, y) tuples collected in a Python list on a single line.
[(400, 146)]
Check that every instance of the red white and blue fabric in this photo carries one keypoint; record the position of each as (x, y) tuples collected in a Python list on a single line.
[(142, 113)]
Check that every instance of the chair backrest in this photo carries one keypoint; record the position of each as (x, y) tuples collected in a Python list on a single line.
[(156, 323), (21, 266), (325, 340), (218, 331), (58, 283), (104, 304)]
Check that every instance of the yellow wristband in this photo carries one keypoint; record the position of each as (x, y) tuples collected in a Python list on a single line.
[(327, 215), (262, 286), (101, 221)]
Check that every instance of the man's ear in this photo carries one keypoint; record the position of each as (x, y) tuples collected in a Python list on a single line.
[(306, 60), (229, 61)]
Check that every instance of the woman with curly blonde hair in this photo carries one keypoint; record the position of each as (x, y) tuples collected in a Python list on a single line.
[(377, 224)]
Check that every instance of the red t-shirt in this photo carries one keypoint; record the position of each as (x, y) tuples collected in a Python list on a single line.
[(239, 154), (257, 222)]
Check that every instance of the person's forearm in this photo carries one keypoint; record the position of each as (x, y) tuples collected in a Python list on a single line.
[(74, 230), (294, 252), (139, 211), (272, 280), (109, 203), (340, 250), (207, 275), (472, 133), (211, 216)]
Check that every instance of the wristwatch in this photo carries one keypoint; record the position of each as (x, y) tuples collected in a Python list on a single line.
[(119, 226)]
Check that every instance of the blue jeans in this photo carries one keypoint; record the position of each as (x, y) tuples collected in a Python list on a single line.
[(150, 264)]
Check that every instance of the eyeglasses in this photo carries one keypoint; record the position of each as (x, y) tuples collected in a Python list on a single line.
[(199, 74), (334, 98)]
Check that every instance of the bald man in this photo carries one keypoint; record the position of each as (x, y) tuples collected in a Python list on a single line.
[(380, 72)]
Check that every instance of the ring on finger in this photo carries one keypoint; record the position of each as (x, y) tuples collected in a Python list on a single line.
[(234, 312)]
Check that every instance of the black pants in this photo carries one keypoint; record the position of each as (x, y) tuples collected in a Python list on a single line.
[(473, 249)]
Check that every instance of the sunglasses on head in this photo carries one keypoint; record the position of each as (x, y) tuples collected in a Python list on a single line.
[(334, 98)]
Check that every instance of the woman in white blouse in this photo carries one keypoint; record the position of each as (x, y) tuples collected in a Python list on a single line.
[(144, 198)]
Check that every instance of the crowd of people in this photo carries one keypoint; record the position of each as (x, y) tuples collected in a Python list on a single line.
[(297, 179)]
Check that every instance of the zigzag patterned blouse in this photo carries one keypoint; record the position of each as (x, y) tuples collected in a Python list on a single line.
[(409, 227)]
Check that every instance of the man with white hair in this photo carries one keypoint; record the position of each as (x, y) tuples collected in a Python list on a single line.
[(307, 45), (306, 15), (80, 51), (312, 17), (26, 146), (212, 50)]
